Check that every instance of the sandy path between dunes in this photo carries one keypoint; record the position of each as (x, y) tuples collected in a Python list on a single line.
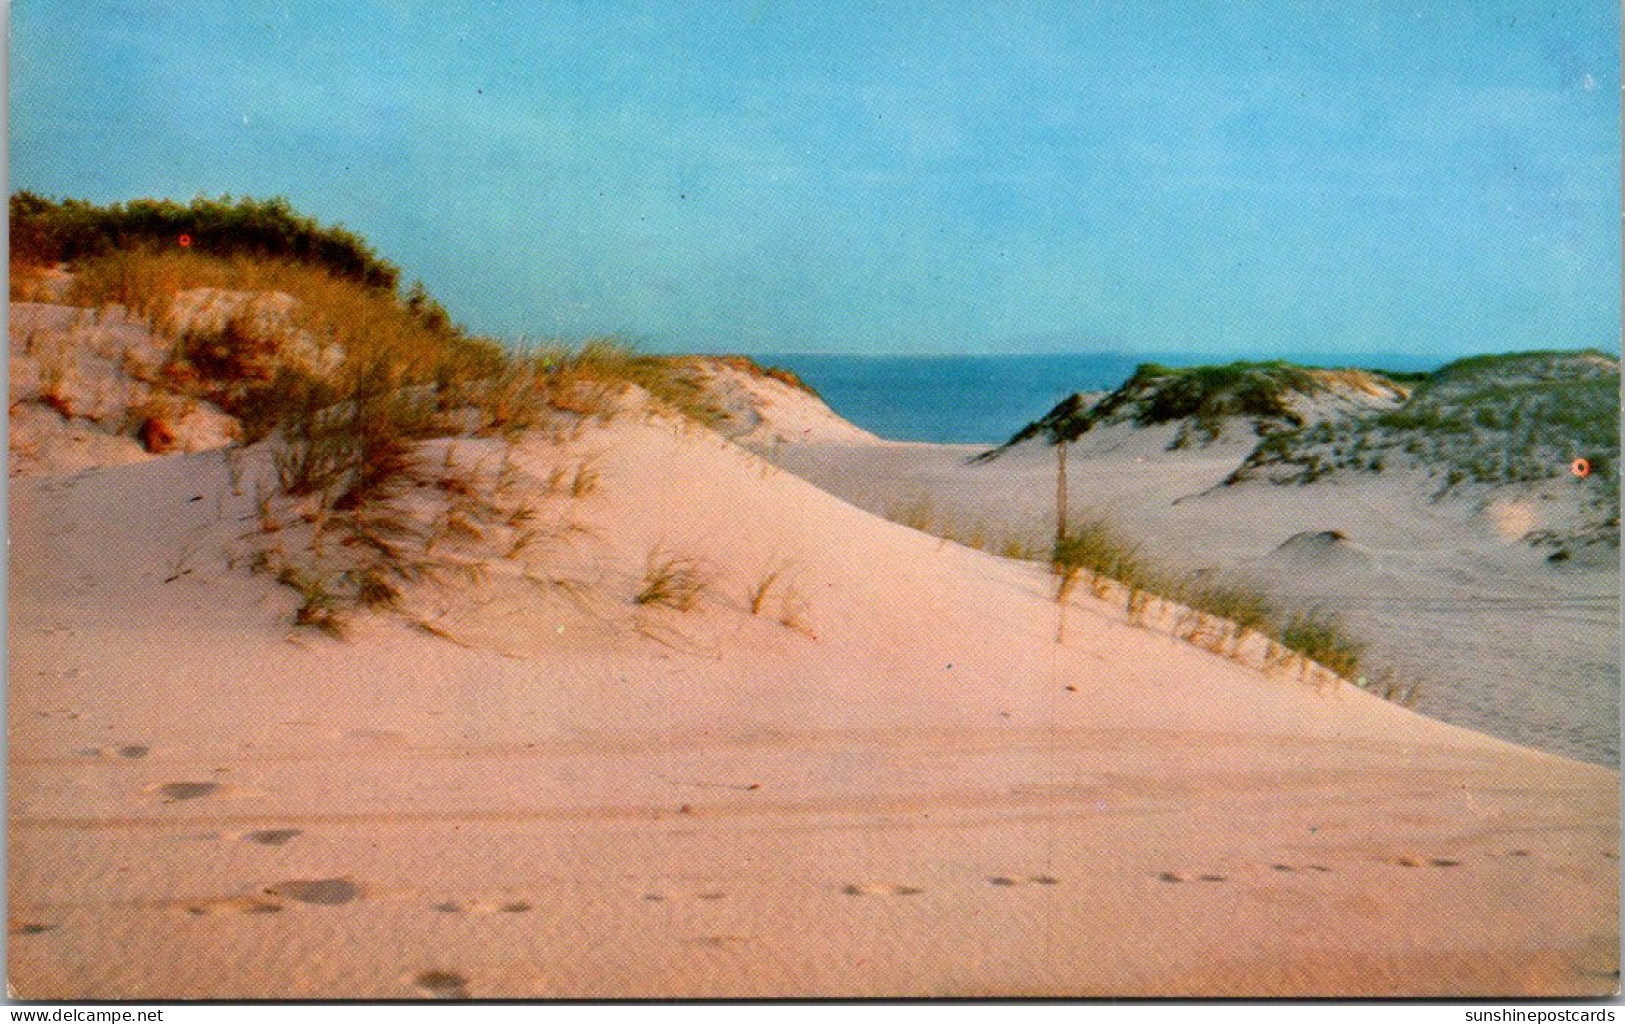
[(918, 792), (1500, 640)]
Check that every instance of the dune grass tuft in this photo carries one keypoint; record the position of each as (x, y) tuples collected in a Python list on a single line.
[(671, 581), (1096, 547), (756, 596), (792, 604), (1319, 635), (1389, 687), (585, 480), (1245, 606), (1218, 613)]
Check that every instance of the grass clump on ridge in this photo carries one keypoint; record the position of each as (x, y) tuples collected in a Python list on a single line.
[(1247, 607), (1319, 636), (747, 365), (921, 514), (605, 366), (1095, 548)]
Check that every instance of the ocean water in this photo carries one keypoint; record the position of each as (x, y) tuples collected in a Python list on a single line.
[(984, 399)]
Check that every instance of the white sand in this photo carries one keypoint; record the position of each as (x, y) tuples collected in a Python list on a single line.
[(910, 790), (81, 383), (1446, 594)]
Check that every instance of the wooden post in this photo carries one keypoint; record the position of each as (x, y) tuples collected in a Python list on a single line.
[(1060, 493)]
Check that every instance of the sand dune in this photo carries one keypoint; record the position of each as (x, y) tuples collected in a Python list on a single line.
[(889, 780), (1444, 591), (764, 408), (85, 391)]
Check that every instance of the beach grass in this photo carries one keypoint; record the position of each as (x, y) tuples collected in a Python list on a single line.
[(318, 353), (671, 581)]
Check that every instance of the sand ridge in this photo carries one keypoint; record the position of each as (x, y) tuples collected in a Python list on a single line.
[(905, 788), (1499, 638)]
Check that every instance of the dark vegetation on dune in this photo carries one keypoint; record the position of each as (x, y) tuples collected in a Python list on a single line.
[(48, 231), (1409, 378), (1208, 395), (1483, 421), (1198, 398)]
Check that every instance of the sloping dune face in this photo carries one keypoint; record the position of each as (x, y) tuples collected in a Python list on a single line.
[(728, 736), (764, 407)]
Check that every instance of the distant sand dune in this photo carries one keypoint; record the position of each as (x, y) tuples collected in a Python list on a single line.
[(1500, 638)]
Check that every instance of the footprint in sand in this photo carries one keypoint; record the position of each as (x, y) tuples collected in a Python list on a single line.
[(1408, 861), (881, 889), (1323, 869), (325, 892), (28, 928), (233, 905), (1174, 878), (442, 984), (272, 836), (131, 752), (483, 907), (1006, 880), (173, 791)]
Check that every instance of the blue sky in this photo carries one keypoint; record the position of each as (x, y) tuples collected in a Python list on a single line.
[(762, 176)]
